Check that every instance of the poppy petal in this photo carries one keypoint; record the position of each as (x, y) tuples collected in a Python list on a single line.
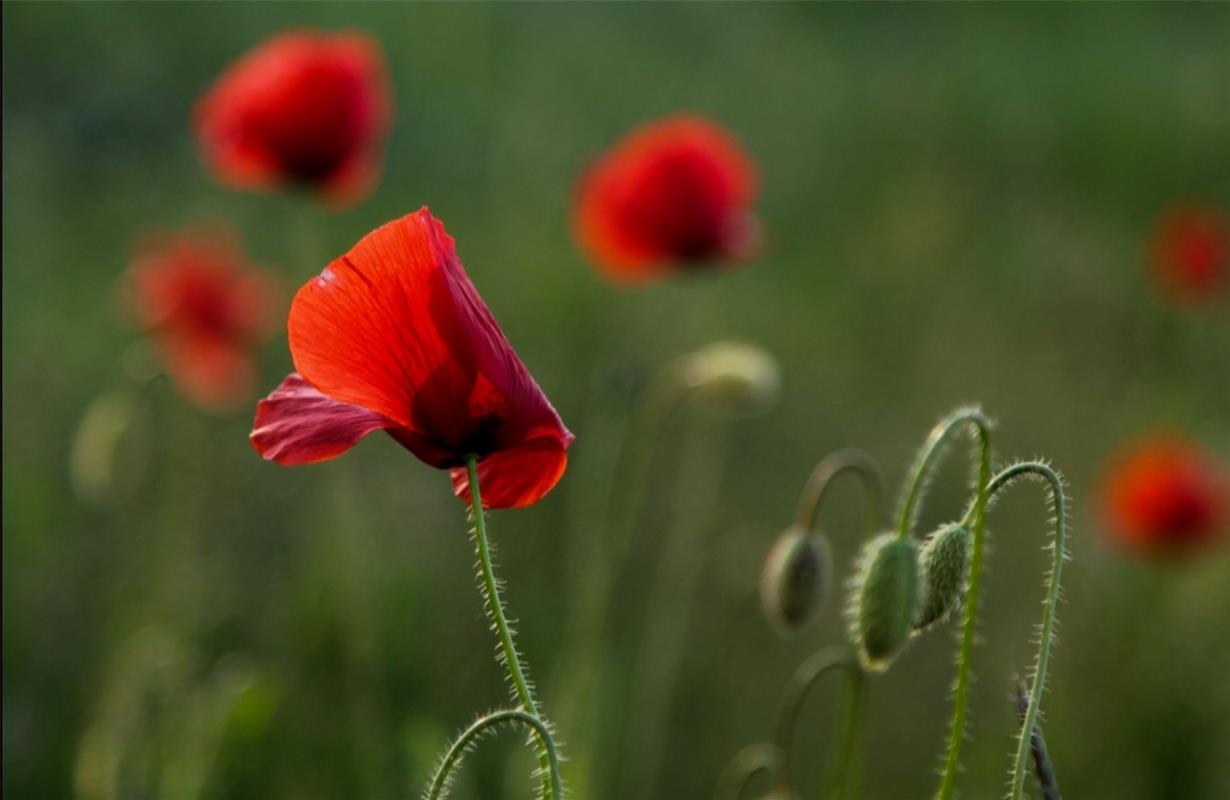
[(396, 327), (296, 424), (518, 477)]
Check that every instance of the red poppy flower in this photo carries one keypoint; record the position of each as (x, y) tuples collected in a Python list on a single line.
[(304, 108), (1164, 496), (1192, 253), (206, 310), (673, 193), (393, 336)]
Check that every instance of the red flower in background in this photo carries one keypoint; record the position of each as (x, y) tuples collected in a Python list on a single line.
[(206, 310), (1164, 496), (1191, 253), (673, 193), (393, 336), (304, 108)]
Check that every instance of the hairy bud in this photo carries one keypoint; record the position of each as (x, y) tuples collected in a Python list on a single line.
[(944, 571), (884, 601), (732, 377), (794, 582)]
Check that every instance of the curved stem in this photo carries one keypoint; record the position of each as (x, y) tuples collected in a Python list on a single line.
[(1004, 479), (960, 705), (927, 456), (495, 611), (805, 677), (853, 461), (438, 789), (741, 770)]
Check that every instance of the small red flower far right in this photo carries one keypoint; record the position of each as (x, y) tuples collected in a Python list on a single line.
[(1191, 254), (1164, 496), (673, 195)]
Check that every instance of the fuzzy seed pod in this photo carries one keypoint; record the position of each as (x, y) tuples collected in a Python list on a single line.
[(944, 571), (794, 582), (884, 600), (732, 377)]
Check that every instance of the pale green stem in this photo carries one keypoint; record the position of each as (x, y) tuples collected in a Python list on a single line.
[(1001, 481), (919, 474), (584, 675), (800, 684), (438, 788), (863, 466), (671, 598), (851, 461), (741, 770), (495, 609)]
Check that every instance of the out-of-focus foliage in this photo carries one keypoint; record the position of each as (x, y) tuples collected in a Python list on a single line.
[(957, 203)]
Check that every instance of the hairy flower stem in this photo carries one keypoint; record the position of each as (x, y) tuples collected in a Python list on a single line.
[(494, 604), (801, 682), (1004, 479), (1043, 769), (915, 488), (489, 723)]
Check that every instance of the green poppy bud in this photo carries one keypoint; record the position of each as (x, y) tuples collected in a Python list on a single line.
[(794, 582), (884, 602), (944, 570), (732, 377)]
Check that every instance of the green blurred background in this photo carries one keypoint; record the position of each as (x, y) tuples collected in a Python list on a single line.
[(957, 201)]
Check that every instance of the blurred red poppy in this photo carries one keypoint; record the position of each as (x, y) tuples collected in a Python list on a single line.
[(674, 193), (305, 108), (1163, 495), (1191, 253), (206, 309), (393, 336)]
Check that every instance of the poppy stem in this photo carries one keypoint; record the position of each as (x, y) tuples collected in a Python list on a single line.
[(1038, 470), (915, 489), (746, 765), (834, 465), (801, 682), (494, 605), (465, 743)]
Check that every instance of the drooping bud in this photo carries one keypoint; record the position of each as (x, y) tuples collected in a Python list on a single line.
[(732, 377), (944, 571), (794, 582), (884, 599)]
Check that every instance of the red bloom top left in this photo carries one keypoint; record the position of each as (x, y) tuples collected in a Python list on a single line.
[(302, 108), (393, 336), (206, 310)]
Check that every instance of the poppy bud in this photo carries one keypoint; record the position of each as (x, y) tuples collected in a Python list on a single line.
[(110, 450), (884, 602), (732, 377), (795, 580), (944, 570)]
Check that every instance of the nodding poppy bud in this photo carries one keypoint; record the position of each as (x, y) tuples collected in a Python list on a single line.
[(944, 571), (795, 580), (110, 451), (884, 601), (732, 377)]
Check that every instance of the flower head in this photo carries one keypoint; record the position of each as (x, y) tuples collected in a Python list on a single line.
[(206, 310), (1164, 496), (303, 108), (1191, 253), (674, 193), (393, 336)]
